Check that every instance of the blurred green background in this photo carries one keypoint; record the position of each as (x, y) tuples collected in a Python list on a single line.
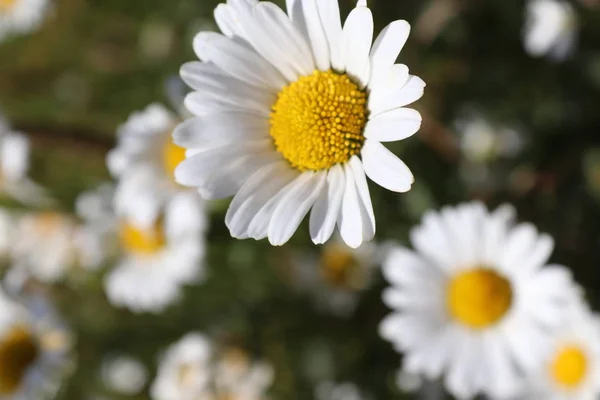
[(70, 84)]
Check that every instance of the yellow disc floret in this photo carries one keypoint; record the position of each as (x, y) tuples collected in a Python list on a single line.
[(18, 351), (142, 241), (173, 155), (318, 121), (479, 298), (569, 367)]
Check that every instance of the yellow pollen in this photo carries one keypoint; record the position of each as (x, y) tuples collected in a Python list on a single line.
[(18, 351), (337, 264), (142, 241), (479, 298), (7, 5), (318, 121), (569, 367), (173, 155)]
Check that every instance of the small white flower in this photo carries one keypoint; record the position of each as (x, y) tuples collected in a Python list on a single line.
[(34, 350), (572, 369), (185, 371), (342, 391), (21, 16), (192, 369), (475, 302), (144, 162), (551, 29), (44, 245), (291, 112), (14, 166), (124, 374), (335, 277), (159, 257)]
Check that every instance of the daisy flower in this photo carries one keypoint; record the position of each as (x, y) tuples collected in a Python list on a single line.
[(336, 275), (572, 369), (14, 165), (192, 369), (184, 371), (33, 349), (124, 374), (551, 29), (144, 162), (474, 302), (158, 257), (44, 245), (291, 110), (21, 16)]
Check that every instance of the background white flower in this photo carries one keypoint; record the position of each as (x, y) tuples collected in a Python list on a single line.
[(124, 374), (475, 302), (571, 371), (551, 29), (341, 391), (290, 113), (21, 16)]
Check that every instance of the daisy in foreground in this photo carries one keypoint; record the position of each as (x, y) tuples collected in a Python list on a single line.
[(572, 370), (21, 16), (475, 302), (33, 350), (290, 113)]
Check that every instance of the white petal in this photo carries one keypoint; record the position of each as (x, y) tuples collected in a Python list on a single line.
[(309, 22), (396, 96), (220, 172), (290, 44), (294, 206), (494, 233), (225, 20), (366, 207), (327, 206), (393, 125), (519, 244), (260, 188), (259, 226), (237, 60), (217, 129), (384, 168), (350, 219), (14, 156), (357, 40), (388, 45), (329, 11), (385, 82)]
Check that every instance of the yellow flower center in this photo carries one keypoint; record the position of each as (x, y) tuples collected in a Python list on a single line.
[(318, 121), (479, 298), (569, 367), (188, 374), (142, 241), (7, 5), (18, 351), (173, 155), (337, 264)]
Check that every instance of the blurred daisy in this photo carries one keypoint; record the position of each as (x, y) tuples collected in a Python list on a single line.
[(21, 16), (474, 302), (551, 29), (191, 369), (184, 372), (8, 221), (343, 391), (159, 257), (290, 113), (44, 246), (572, 371), (124, 374), (335, 276), (33, 350), (96, 236), (14, 165), (144, 162)]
